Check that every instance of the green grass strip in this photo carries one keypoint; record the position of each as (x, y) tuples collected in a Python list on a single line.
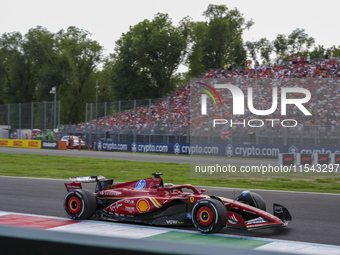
[(60, 167)]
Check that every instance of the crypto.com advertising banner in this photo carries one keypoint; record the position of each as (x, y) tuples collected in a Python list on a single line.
[(262, 111)]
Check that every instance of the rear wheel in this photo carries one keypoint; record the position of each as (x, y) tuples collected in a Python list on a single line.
[(209, 216), (80, 204)]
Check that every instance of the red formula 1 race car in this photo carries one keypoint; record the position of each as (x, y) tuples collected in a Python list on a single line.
[(150, 201)]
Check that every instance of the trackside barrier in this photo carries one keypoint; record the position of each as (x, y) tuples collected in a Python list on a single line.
[(45, 144), (321, 159), (15, 240), (286, 159), (335, 158), (32, 144), (309, 159), (223, 150), (304, 159), (62, 145)]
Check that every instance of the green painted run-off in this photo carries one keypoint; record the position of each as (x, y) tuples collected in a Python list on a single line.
[(208, 239)]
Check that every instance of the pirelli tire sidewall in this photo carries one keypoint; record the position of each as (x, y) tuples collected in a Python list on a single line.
[(213, 208), (80, 204)]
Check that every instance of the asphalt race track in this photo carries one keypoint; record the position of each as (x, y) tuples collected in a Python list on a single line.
[(315, 216)]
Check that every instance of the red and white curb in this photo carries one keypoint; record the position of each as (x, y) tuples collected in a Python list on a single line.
[(80, 227), (138, 232)]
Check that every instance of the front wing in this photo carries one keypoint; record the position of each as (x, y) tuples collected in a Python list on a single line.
[(281, 219)]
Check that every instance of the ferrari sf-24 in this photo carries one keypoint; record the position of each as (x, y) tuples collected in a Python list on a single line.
[(150, 201)]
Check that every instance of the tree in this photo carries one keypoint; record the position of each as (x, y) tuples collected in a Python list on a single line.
[(334, 51), (83, 55), (16, 69), (299, 41), (280, 45), (31, 65), (146, 59), (103, 77), (128, 81), (296, 42), (253, 49), (214, 41), (194, 58), (263, 47), (318, 52), (49, 66), (266, 49)]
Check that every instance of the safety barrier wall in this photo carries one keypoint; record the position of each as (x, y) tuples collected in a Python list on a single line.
[(49, 144), (229, 150), (308, 158), (33, 144), (167, 148)]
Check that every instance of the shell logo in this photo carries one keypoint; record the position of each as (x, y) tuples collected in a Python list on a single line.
[(143, 205)]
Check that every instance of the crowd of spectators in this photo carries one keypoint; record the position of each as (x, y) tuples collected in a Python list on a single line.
[(179, 112), (324, 107), (298, 68), (164, 116)]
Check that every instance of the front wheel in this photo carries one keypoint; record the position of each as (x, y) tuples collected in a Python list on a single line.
[(80, 204), (209, 216), (253, 199)]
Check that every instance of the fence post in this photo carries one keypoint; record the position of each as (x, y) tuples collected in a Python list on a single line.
[(105, 126), (19, 121), (85, 113), (9, 118), (168, 121), (285, 136), (91, 113), (119, 127), (90, 136), (59, 117), (55, 109), (32, 115), (316, 113), (44, 116), (149, 125), (134, 129)]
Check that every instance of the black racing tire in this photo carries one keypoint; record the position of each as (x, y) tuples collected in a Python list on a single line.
[(209, 216), (80, 204), (259, 201)]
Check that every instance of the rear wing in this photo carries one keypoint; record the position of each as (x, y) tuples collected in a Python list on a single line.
[(102, 182), (86, 179)]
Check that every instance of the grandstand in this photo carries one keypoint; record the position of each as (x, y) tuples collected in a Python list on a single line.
[(174, 118)]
